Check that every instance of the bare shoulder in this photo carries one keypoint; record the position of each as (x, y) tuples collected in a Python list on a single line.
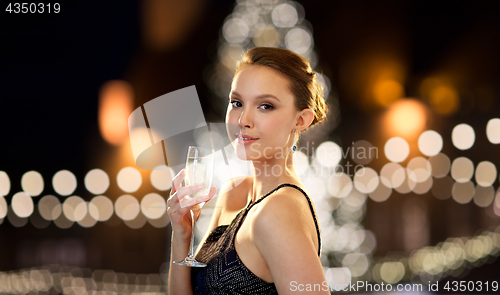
[(284, 203), (289, 209), (285, 235)]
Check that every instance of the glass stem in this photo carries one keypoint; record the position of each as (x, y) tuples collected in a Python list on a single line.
[(191, 254)]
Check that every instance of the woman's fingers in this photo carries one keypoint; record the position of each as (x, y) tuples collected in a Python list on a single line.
[(178, 211), (176, 182), (212, 192), (206, 198), (183, 192), (183, 206)]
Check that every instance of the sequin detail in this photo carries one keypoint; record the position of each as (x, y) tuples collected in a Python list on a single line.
[(225, 273)]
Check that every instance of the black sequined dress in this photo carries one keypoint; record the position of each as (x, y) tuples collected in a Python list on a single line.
[(225, 273)]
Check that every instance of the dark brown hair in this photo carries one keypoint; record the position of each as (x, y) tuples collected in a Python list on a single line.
[(304, 84)]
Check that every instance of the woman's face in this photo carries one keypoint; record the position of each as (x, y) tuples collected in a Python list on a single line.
[(262, 106)]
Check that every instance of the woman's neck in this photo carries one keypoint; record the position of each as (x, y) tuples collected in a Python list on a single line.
[(269, 173)]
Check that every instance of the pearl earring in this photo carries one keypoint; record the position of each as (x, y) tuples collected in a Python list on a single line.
[(294, 147)]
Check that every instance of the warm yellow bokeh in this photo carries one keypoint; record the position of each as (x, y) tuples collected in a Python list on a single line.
[(441, 95), (406, 118), (444, 100), (387, 91), (115, 105)]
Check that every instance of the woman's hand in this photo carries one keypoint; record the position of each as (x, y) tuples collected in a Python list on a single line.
[(178, 212)]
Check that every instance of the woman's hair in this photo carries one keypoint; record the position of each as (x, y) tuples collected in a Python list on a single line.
[(304, 84)]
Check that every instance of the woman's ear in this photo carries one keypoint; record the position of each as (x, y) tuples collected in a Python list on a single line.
[(305, 118)]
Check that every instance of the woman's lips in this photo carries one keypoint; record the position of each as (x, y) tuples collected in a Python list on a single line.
[(245, 139)]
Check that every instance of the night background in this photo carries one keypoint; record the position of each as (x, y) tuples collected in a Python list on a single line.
[(54, 69)]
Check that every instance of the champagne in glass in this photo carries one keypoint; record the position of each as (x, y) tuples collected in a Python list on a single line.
[(199, 170)]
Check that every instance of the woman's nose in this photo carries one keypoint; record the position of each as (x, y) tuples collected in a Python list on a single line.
[(245, 119)]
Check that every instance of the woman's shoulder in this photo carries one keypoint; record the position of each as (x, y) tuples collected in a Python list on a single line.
[(287, 206), (289, 198)]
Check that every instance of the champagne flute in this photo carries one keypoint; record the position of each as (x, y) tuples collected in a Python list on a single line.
[(199, 170)]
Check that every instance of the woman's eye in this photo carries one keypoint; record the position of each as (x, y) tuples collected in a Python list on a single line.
[(236, 103), (266, 106)]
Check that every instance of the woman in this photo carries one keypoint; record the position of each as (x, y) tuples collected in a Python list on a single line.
[(263, 237)]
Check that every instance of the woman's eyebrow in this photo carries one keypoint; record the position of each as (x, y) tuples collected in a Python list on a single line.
[(268, 96), (262, 96)]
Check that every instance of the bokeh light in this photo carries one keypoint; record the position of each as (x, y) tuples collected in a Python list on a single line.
[(298, 40), (14, 219), (462, 193), (138, 222), (127, 207), (486, 173), (32, 183), (381, 193), (406, 117), (496, 203), (264, 36), (229, 54), (440, 164), (160, 222), (357, 263), (161, 177), (462, 169), (129, 179), (63, 222), (337, 277), (4, 184), (418, 169), (87, 221), (396, 149), (355, 199), (300, 162), (430, 143), (328, 154), (49, 207), (392, 175), (366, 180), (316, 187), (3, 207), (153, 206), (483, 196), (101, 208), (387, 91), (22, 204), (339, 185), (115, 105), (392, 272), (405, 187), (96, 181), (463, 136), (423, 187), (285, 16), (444, 100), (363, 152), (235, 30), (74, 208), (493, 131), (64, 182)]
